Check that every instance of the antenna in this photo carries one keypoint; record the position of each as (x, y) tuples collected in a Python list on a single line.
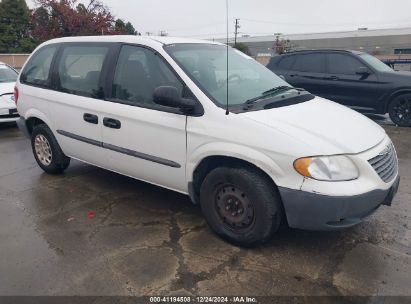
[(227, 112)]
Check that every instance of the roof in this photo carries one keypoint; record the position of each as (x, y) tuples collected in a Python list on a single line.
[(325, 50), (130, 39), (330, 35)]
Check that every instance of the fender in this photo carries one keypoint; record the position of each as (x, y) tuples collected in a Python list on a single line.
[(395, 94), (248, 154), (34, 113)]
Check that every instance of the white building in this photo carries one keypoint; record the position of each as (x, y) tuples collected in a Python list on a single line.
[(376, 42)]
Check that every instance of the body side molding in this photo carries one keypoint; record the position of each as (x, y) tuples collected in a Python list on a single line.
[(133, 153)]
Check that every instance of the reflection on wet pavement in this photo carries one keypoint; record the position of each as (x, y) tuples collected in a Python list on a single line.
[(147, 240)]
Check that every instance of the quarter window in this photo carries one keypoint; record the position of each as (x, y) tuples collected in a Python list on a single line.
[(139, 72), (80, 68), (37, 70), (342, 64)]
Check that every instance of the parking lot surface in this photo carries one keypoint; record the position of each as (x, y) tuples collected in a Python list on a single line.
[(94, 232)]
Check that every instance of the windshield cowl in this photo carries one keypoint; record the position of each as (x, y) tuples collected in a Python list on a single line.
[(276, 101)]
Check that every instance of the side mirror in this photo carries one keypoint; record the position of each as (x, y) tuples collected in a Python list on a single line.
[(364, 71), (168, 96)]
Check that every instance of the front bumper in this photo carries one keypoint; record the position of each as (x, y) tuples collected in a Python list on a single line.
[(313, 211), (8, 114)]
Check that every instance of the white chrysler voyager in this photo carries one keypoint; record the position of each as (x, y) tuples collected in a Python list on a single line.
[(249, 148)]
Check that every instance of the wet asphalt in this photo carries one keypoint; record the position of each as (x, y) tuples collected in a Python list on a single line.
[(94, 232)]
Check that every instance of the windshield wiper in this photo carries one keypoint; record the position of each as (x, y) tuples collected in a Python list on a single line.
[(277, 90), (268, 93)]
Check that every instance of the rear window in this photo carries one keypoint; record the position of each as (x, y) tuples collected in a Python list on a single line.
[(79, 70), (7, 74), (37, 70), (314, 63)]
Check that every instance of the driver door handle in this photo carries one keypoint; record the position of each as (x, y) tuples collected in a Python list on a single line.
[(332, 78)]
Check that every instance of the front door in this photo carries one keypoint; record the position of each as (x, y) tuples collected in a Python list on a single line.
[(345, 86), (142, 139)]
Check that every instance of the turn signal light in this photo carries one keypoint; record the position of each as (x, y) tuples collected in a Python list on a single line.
[(302, 166)]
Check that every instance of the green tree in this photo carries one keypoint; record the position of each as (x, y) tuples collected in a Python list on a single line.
[(130, 30), (14, 27), (243, 48), (125, 28)]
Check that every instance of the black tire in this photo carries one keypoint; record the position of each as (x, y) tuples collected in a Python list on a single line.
[(255, 194), (58, 161), (400, 110)]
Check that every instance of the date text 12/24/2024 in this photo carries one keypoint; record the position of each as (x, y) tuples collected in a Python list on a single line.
[(203, 300)]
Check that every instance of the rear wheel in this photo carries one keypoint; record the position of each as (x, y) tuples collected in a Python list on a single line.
[(47, 151), (400, 110), (241, 205)]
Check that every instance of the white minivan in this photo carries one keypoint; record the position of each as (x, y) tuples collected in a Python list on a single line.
[(249, 148)]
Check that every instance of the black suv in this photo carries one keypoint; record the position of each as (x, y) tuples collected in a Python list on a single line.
[(351, 78)]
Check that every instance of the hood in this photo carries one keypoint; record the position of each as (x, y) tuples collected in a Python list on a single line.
[(6, 95), (325, 127), (404, 77), (400, 73), (7, 88)]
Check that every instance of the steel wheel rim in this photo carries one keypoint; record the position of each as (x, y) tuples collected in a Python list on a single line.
[(234, 208), (402, 111), (43, 150)]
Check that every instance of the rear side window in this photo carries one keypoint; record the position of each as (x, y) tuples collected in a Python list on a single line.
[(79, 70), (342, 64), (314, 63), (287, 62), (37, 70)]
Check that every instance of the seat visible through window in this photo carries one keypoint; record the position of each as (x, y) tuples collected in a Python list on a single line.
[(139, 72), (134, 84), (80, 69)]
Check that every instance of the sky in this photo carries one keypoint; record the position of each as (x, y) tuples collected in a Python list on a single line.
[(207, 18)]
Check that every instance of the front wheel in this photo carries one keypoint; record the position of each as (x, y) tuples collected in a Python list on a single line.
[(241, 205), (47, 151), (400, 110)]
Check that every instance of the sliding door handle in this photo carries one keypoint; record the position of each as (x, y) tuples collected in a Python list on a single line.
[(111, 123), (90, 118)]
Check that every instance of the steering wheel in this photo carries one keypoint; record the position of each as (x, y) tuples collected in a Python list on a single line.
[(232, 78)]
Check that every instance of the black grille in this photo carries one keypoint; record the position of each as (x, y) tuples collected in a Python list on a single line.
[(386, 164), (9, 116), (12, 114)]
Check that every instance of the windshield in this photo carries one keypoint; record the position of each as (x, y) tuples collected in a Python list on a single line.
[(376, 63), (7, 74), (206, 64)]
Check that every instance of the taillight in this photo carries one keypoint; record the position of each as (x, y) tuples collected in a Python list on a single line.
[(16, 95)]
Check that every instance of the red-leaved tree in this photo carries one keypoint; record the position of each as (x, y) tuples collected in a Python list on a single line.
[(62, 18)]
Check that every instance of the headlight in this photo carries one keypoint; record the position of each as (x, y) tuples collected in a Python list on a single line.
[(327, 168)]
